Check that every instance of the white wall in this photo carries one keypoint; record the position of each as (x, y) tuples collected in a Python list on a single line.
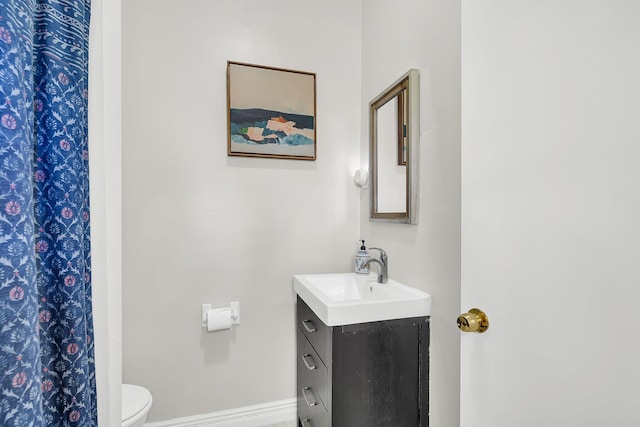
[(106, 220), (423, 35), (397, 36), (201, 227)]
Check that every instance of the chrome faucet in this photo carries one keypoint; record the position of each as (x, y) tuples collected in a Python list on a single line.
[(383, 275), (383, 255), (382, 269)]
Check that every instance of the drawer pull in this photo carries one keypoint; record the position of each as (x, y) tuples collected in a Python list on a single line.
[(306, 324), (305, 423), (304, 359), (304, 394)]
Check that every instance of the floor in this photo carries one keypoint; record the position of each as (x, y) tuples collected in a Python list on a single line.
[(291, 423)]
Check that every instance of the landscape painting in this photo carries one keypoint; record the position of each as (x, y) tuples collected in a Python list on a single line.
[(271, 112)]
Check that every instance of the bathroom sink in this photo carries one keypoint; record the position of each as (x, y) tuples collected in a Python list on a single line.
[(348, 298)]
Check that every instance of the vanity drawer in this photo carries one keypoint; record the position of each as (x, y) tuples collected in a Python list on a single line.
[(316, 416), (318, 334), (312, 371)]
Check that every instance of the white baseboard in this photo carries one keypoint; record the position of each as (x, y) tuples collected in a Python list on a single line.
[(281, 411)]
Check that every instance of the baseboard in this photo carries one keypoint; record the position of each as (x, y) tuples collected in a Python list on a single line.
[(249, 416)]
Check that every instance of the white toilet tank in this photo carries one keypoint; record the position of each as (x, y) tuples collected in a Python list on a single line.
[(136, 403)]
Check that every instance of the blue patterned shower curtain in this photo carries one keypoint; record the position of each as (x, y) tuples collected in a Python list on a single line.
[(47, 370)]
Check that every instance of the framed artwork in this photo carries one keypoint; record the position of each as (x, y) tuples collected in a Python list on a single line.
[(271, 112)]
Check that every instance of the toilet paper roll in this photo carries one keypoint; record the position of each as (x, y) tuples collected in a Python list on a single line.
[(218, 319)]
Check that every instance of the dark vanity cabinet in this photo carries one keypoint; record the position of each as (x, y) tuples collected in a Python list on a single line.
[(362, 375)]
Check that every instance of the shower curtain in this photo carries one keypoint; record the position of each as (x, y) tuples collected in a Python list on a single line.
[(47, 371)]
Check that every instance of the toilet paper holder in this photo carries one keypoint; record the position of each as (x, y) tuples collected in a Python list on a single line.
[(234, 309)]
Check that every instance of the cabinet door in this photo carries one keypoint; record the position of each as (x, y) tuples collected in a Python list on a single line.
[(376, 379)]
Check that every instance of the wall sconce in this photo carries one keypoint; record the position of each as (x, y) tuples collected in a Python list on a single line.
[(361, 178)]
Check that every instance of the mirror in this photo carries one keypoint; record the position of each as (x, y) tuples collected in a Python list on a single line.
[(394, 132)]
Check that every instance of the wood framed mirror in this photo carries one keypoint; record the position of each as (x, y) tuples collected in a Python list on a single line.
[(394, 135)]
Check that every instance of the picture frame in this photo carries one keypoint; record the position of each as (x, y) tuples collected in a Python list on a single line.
[(271, 112)]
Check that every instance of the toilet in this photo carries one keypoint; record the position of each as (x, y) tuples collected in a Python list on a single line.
[(136, 403)]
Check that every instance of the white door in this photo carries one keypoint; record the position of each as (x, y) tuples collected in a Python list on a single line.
[(551, 212)]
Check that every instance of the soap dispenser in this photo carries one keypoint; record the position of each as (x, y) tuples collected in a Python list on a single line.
[(362, 256)]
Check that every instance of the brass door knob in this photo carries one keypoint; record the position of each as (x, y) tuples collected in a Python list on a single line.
[(473, 321)]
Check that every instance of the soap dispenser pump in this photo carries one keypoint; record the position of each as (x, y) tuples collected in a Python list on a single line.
[(362, 256)]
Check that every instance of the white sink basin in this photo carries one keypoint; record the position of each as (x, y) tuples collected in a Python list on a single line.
[(348, 298)]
